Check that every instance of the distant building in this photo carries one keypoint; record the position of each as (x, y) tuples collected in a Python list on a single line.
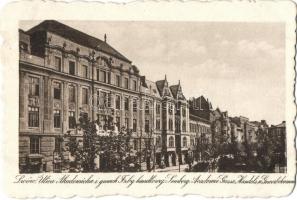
[(277, 134), (200, 126)]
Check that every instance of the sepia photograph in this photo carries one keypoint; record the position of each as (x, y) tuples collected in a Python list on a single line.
[(151, 96)]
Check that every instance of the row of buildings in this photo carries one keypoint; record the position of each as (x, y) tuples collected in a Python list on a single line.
[(64, 73)]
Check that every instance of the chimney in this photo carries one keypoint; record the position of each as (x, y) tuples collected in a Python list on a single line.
[(105, 38)]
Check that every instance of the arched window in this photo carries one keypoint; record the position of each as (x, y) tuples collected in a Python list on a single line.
[(171, 141), (185, 142)]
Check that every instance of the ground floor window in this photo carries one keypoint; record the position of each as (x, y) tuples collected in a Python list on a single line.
[(34, 145), (57, 167)]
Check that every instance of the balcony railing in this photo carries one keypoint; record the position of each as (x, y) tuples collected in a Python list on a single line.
[(25, 57)]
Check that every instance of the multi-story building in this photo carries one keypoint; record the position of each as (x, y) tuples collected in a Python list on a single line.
[(200, 126), (175, 123), (277, 135), (65, 73)]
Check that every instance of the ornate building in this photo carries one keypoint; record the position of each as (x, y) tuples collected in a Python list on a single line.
[(65, 72)]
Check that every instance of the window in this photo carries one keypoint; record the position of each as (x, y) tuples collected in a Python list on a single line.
[(103, 99), (118, 122), (98, 98), (71, 94), (108, 77), (135, 144), (71, 120), (33, 86), (134, 85), (170, 109), (118, 102), (109, 100), (126, 123), (85, 71), (84, 96), (135, 105), (57, 167), (185, 142), (102, 76), (177, 125), (134, 125), (171, 142), (147, 108), (97, 74), (192, 142), (158, 141), (72, 67), (184, 126), (170, 124), (57, 90), (58, 144), (158, 109), (147, 126), (126, 83), (126, 102), (34, 145), (57, 118), (118, 80), (183, 112), (158, 124), (58, 63), (33, 117)]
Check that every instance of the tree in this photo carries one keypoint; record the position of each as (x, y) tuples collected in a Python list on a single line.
[(114, 149), (264, 150)]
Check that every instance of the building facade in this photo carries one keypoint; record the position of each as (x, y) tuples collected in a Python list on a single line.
[(277, 135), (65, 73), (200, 126)]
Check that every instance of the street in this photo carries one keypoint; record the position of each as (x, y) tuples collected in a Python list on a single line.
[(173, 168)]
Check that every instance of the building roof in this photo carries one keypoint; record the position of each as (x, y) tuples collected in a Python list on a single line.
[(152, 88), (77, 36), (197, 118), (282, 125), (160, 85), (163, 88), (177, 92), (174, 89)]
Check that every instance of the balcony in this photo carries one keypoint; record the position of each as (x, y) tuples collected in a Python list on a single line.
[(25, 57)]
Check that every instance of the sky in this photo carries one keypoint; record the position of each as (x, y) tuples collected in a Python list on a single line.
[(239, 67)]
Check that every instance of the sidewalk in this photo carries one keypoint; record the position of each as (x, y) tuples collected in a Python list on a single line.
[(173, 168)]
